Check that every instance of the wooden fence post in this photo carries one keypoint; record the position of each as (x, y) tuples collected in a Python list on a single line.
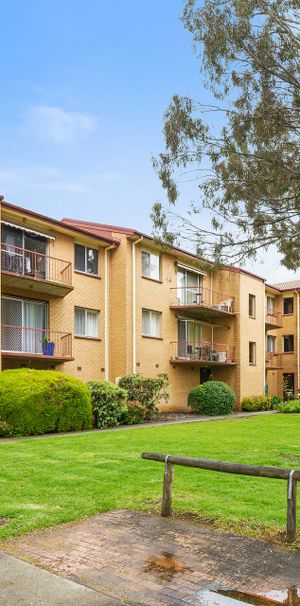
[(167, 488), (291, 508)]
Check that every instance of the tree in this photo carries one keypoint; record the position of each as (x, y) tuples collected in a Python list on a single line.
[(247, 172)]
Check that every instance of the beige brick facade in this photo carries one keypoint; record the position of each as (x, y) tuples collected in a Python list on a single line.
[(215, 314)]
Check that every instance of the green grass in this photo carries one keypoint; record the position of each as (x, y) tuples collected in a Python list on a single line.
[(53, 480)]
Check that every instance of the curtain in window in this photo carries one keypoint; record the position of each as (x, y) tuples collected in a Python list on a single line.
[(92, 261), (34, 318), (79, 322), (192, 291), (91, 329), (155, 324), (145, 264)]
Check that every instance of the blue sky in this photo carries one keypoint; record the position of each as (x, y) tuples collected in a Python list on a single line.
[(84, 88)]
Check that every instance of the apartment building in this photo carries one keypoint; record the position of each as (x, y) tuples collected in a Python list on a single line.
[(98, 301)]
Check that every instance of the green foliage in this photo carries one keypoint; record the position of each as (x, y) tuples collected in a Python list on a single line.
[(148, 391), (289, 407), (5, 429), (257, 403), (276, 400), (212, 398), (134, 414), (42, 401), (247, 170), (108, 402)]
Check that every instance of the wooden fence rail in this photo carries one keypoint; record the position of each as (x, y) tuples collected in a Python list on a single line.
[(278, 473)]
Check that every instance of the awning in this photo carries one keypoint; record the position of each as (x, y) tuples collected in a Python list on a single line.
[(193, 269), (30, 231)]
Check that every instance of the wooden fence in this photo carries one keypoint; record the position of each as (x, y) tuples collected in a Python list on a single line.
[(290, 475)]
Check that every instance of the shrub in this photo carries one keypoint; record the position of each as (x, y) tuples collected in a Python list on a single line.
[(212, 398), (108, 403), (148, 391), (134, 414), (42, 401), (257, 403), (289, 407), (276, 400), (5, 429)]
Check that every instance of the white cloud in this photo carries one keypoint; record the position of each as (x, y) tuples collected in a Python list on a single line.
[(56, 125)]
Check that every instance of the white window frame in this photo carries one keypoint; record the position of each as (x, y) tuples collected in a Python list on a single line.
[(151, 254), (86, 248), (86, 311), (152, 313), (271, 339)]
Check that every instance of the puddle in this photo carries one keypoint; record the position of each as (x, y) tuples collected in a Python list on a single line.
[(286, 597), (165, 566)]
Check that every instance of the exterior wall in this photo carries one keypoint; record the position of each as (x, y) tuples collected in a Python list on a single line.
[(88, 292)]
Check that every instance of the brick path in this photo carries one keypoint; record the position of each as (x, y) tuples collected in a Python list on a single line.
[(144, 559)]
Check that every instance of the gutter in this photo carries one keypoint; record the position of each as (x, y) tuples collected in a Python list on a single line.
[(134, 304)]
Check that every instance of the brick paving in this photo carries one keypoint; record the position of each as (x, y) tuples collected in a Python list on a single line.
[(143, 559)]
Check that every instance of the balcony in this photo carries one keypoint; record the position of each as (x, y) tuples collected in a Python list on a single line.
[(273, 319), (21, 267), (202, 354), (197, 301), (273, 360), (22, 342)]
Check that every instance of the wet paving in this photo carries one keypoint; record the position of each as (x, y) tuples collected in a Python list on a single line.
[(140, 558)]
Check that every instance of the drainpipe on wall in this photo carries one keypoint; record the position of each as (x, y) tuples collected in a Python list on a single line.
[(106, 311), (134, 305)]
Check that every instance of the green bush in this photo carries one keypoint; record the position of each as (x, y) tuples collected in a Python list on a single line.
[(276, 400), (108, 403), (148, 391), (212, 398), (257, 403), (289, 407), (43, 401), (134, 414), (5, 429)]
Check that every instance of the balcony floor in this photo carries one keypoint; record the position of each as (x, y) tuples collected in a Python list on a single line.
[(23, 355), (197, 362), (272, 325), (202, 311), (31, 283)]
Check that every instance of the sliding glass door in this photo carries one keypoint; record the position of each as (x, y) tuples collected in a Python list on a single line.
[(189, 285), (189, 338), (23, 325), (23, 252)]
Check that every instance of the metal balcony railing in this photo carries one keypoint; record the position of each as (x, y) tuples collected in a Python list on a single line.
[(203, 351), (22, 262), (273, 360), (37, 341), (273, 317), (201, 296)]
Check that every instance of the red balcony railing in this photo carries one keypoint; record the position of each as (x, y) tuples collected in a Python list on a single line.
[(22, 262), (200, 296), (202, 352), (37, 341), (273, 360), (273, 317)]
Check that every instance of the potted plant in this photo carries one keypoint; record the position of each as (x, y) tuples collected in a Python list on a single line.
[(47, 346)]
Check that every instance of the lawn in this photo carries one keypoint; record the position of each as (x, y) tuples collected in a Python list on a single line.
[(53, 480)]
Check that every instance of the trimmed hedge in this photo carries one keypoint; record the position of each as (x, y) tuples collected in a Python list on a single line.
[(42, 401), (258, 403), (212, 398), (291, 406), (108, 402)]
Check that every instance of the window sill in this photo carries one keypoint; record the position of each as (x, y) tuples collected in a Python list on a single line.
[(252, 363), (290, 314), (152, 279), (252, 317), (151, 337), (288, 352), (83, 273), (89, 338)]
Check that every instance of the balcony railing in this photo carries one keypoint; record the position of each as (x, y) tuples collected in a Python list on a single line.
[(273, 360), (200, 296), (273, 318), (202, 352), (22, 262), (35, 341)]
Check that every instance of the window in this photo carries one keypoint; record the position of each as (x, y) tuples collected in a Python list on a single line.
[(150, 265), (86, 260), (252, 306), (270, 304), (271, 344), (151, 323), (288, 343), (86, 323), (288, 305), (24, 325), (252, 352), (189, 287)]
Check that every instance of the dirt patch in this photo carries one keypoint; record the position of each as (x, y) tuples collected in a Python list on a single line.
[(165, 566)]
